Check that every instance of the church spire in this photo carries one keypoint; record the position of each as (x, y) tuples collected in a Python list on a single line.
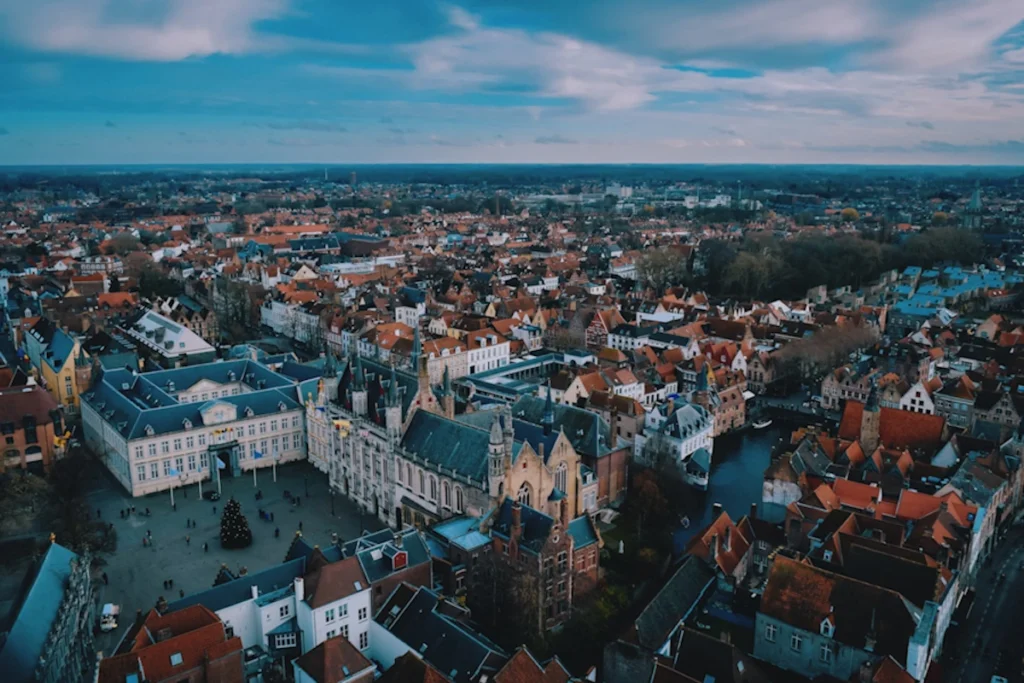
[(393, 388), (446, 382), (330, 366), (548, 418), (357, 374)]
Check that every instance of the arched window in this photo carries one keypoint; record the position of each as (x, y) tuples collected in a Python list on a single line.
[(524, 495), (433, 487), (458, 499), (421, 483), (562, 477), (408, 475), (446, 494)]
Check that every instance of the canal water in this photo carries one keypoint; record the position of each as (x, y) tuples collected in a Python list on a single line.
[(737, 471)]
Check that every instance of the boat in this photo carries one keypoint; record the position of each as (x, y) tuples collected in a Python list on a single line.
[(762, 424)]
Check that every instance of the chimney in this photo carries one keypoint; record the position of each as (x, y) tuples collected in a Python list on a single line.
[(398, 540), (753, 510), (714, 546), (517, 516), (716, 511), (867, 675), (300, 589), (563, 509), (255, 591)]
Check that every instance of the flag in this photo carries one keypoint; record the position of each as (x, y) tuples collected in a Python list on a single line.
[(220, 464), (174, 472), (257, 455)]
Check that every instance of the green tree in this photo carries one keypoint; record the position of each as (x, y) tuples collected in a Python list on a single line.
[(234, 527)]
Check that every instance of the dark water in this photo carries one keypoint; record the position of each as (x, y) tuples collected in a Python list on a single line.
[(737, 471)]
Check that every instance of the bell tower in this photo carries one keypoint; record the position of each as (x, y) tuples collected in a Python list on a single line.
[(496, 460)]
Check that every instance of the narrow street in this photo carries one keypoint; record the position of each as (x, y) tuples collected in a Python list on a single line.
[(990, 643)]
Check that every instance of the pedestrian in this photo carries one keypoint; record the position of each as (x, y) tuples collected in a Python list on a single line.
[(98, 513), (277, 532), (106, 581), (147, 511), (149, 533), (133, 509), (174, 506), (300, 526), (181, 592), (215, 509), (170, 582), (271, 516), (206, 547), (165, 584), (188, 540), (121, 512)]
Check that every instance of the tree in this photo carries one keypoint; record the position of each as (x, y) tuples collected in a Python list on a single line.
[(651, 502), (234, 528), (660, 269), (850, 215), (114, 283), (124, 243)]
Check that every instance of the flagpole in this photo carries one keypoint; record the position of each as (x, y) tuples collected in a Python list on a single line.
[(254, 474), (274, 465), (172, 494)]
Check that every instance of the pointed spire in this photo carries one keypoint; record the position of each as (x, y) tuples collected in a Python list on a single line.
[(872, 402), (393, 388), (357, 374), (496, 438), (330, 366), (548, 418)]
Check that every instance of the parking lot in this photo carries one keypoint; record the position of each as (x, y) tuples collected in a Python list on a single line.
[(136, 572)]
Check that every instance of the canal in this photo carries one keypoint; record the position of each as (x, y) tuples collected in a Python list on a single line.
[(737, 471)]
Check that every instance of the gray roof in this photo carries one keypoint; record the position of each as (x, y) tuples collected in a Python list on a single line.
[(269, 580), (450, 444), (383, 546), (586, 431), (131, 401), (673, 603), (25, 641)]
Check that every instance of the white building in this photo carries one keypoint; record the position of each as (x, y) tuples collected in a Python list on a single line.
[(172, 343), (487, 350), (161, 430), (678, 429)]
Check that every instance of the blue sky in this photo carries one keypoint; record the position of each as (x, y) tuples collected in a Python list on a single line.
[(663, 81)]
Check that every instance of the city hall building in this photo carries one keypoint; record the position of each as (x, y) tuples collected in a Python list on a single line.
[(173, 428)]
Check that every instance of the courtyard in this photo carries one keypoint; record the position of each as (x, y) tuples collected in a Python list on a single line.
[(136, 572)]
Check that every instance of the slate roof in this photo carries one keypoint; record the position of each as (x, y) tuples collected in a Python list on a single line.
[(239, 590), (673, 603), (420, 621), (377, 378), (536, 526), (333, 661), (586, 431), (582, 531), (25, 641), (334, 581), (450, 444), (131, 401), (377, 569)]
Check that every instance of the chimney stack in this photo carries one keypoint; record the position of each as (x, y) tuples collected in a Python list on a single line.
[(255, 591), (300, 589), (517, 516), (753, 510), (398, 540), (716, 511)]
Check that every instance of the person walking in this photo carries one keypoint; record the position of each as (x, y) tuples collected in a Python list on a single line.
[(215, 509), (188, 540), (181, 592), (174, 507), (277, 532), (106, 581), (206, 547)]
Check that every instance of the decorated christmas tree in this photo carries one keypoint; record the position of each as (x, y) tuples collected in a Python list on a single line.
[(234, 528)]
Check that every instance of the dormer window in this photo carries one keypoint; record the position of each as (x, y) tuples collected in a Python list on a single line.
[(281, 406), (149, 430), (186, 423), (248, 411), (827, 627)]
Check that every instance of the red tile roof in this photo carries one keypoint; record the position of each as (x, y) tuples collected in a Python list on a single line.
[(333, 661)]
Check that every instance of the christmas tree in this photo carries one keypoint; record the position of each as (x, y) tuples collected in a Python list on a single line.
[(234, 528)]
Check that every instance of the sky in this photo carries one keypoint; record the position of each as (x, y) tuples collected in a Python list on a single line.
[(512, 81)]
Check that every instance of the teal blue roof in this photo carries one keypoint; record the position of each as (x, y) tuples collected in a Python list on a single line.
[(27, 637), (582, 531), (462, 531), (58, 353)]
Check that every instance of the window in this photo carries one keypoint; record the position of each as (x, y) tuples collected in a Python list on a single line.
[(202, 461), (273, 425), (330, 634), (202, 439), (364, 640), (446, 494), (296, 441), (190, 442), (344, 631), (152, 449), (252, 429), (179, 464), (562, 477), (263, 427), (563, 562), (176, 659), (421, 482), (343, 611), (165, 447), (167, 468), (286, 640), (275, 444), (769, 632), (363, 613), (826, 653), (177, 444), (140, 472), (284, 611), (295, 421), (524, 494), (433, 488), (329, 615), (154, 470), (138, 452), (191, 463), (458, 499), (796, 642)]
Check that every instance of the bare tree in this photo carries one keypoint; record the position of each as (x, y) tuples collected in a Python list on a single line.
[(662, 268)]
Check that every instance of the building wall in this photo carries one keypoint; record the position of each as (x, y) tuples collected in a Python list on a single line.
[(844, 665), (419, 575)]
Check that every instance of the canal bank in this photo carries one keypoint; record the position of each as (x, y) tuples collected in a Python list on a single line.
[(737, 474)]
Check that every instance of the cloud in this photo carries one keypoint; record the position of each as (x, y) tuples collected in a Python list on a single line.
[(317, 126), (4, 131), (110, 124), (921, 124), (296, 142), (555, 139), (125, 29), (386, 120)]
